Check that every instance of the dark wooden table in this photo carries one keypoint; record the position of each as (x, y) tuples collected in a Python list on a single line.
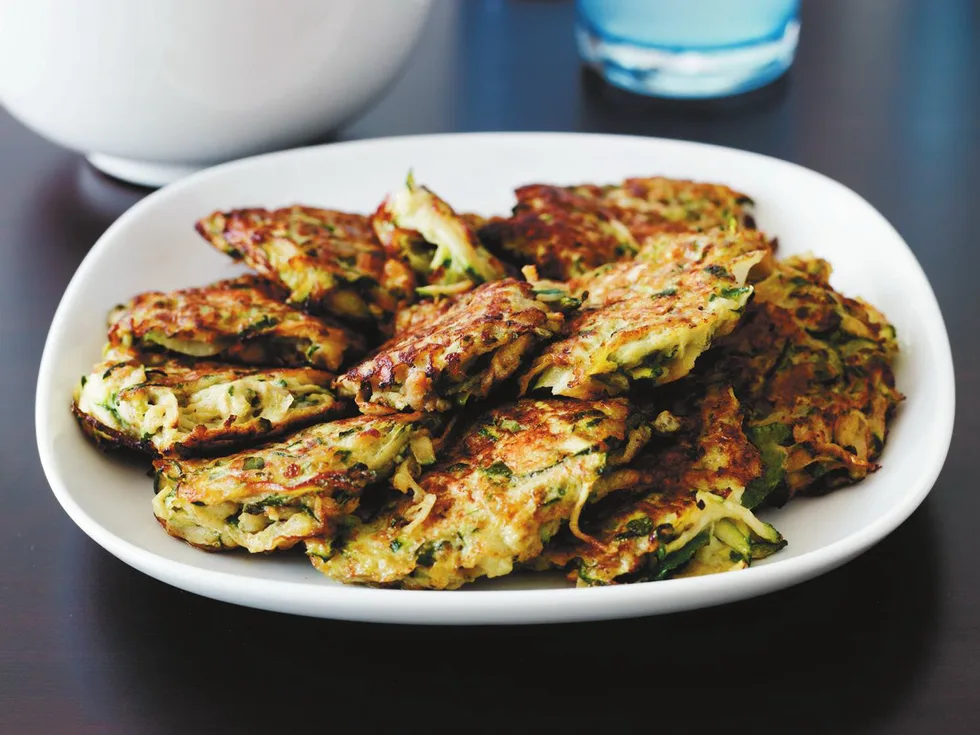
[(885, 97)]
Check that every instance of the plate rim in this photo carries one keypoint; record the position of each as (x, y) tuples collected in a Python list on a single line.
[(488, 606)]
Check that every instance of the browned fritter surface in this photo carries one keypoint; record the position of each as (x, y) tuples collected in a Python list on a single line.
[(813, 370), (667, 256), (567, 231), (271, 496), (561, 232), (649, 319), (505, 486), (708, 453), (241, 320), (413, 319), (460, 354), (658, 204), (326, 260)]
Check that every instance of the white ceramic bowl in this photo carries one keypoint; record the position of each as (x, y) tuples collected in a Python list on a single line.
[(151, 91)]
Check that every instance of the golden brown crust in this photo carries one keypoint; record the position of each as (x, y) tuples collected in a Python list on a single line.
[(419, 316), (568, 231), (813, 370), (276, 494), (453, 354), (658, 204), (507, 484), (344, 454), (328, 261), (709, 453), (240, 320), (650, 319), (562, 232)]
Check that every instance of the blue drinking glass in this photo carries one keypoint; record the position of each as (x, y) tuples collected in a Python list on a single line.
[(688, 48)]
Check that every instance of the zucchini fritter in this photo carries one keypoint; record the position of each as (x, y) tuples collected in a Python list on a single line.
[(441, 247), (501, 492), (649, 319), (420, 315), (168, 406), (689, 519), (271, 497), (241, 320), (813, 370), (564, 232), (656, 204), (459, 354), (568, 231), (328, 261)]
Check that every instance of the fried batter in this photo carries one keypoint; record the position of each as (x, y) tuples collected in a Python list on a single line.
[(813, 370), (649, 320), (327, 261), (689, 517), (567, 231), (241, 320), (171, 406), (502, 491), (272, 496), (448, 357), (441, 246)]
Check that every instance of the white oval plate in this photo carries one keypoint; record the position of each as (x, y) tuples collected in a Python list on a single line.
[(154, 246)]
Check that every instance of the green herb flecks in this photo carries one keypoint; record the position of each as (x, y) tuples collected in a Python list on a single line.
[(273, 501), (664, 567), (636, 527), (427, 553), (112, 367), (266, 322), (734, 292), (769, 440), (498, 469)]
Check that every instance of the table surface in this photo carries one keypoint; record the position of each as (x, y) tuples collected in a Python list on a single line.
[(884, 97)]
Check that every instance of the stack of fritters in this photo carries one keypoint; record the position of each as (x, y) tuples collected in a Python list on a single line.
[(496, 497), (618, 415), (685, 514), (813, 369)]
